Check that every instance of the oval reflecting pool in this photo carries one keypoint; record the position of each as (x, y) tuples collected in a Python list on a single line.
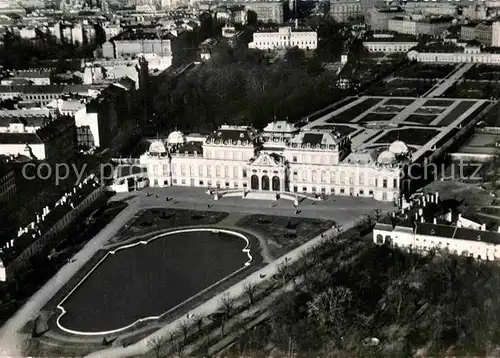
[(147, 279)]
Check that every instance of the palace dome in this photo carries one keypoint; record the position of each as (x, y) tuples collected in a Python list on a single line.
[(157, 147), (398, 147), (386, 157), (176, 138)]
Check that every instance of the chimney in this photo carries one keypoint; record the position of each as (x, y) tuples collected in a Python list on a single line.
[(437, 196), (448, 216), (424, 202), (435, 221), (416, 216), (483, 227), (429, 196)]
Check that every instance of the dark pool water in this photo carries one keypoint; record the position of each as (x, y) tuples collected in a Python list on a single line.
[(148, 280)]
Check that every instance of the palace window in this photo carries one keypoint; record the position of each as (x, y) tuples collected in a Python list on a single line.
[(235, 172), (395, 183), (370, 192), (174, 169), (304, 189), (200, 170), (201, 182), (384, 183), (244, 173), (342, 178), (376, 182), (342, 191), (183, 182), (384, 196), (174, 181), (361, 178), (295, 189), (183, 169), (332, 191), (294, 159), (217, 171), (361, 192)]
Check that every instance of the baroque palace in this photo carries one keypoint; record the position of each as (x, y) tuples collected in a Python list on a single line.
[(281, 158)]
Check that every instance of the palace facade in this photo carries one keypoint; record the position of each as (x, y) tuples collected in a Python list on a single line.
[(279, 159)]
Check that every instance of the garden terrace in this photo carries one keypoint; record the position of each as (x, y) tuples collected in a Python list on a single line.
[(398, 102), (284, 233), (342, 130), (425, 71), (483, 72), (351, 113), (420, 118), (474, 89), (456, 112), (389, 109), (430, 110), (438, 103), (411, 136), (400, 87), (330, 109), (150, 220), (375, 117)]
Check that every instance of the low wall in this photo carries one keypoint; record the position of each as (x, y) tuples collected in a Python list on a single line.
[(22, 261)]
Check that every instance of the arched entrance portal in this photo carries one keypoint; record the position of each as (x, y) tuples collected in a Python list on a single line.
[(254, 182), (276, 183), (265, 183)]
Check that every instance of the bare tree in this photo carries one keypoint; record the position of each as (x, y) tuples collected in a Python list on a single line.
[(156, 344), (184, 327), (250, 289), (282, 272), (198, 320), (328, 309), (226, 306)]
